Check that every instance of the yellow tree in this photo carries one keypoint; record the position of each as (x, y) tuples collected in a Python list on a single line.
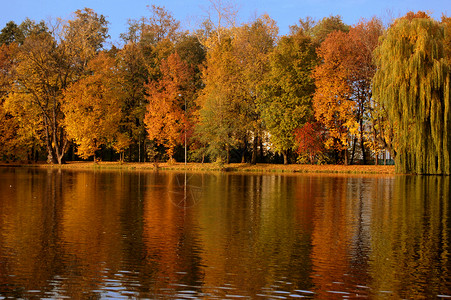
[(10, 147), (20, 134), (46, 64), (166, 116), (92, 108), (220, 122)]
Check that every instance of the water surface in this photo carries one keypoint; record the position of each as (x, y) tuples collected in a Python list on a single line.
[(119, 234)]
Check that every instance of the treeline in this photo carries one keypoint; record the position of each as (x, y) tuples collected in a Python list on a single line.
[(326, 92)]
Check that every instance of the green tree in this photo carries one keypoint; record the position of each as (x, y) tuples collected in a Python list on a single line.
[(288, 90), (252, 46), (219, 115), (13, 33), (412, 84), (319, 31)]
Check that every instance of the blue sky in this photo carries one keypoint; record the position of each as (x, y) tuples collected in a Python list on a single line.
[(285, 12)]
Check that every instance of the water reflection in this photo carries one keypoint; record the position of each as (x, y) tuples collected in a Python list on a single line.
[(83, 234)]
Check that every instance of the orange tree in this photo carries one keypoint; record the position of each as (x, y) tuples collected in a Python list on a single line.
[(332, 101), (343, 99), (166, 115)]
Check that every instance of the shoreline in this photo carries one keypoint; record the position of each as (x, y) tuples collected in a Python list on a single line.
[(207, 167)]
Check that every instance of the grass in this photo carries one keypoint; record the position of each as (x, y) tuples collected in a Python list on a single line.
[(262, 168)]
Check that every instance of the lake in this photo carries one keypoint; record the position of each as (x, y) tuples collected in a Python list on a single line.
[(86, 234)]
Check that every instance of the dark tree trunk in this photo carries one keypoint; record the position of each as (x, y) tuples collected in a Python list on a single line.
[(254, 150), (285, 157), (362, 143), (346, 157), (353, 150)]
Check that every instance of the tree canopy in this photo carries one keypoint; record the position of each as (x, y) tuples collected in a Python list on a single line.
[(412, 83), (325, 92)]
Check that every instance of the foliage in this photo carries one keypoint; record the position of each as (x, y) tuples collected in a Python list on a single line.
[(343, 98), (13, 33), (310, 141), (166, 116), (288, 90), (332, 101), (219, 116), (412, 84), (92, 108), (44, 66), (250, 94)]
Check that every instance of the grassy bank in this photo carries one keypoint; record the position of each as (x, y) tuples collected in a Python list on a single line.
[(294, 168)]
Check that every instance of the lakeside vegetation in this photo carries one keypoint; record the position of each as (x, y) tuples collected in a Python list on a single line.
[(207, 167), (326, 93)]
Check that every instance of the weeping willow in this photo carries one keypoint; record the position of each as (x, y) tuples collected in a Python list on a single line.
[(412, 83)]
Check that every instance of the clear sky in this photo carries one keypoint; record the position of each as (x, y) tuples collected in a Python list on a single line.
[(285, 12)]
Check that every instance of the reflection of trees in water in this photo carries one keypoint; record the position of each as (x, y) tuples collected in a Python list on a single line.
[(253, 243), (410, 238), (172, 253), (382, 236), (30, 215), (81, 231)]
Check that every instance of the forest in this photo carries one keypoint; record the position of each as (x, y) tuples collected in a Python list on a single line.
[(326, 93)]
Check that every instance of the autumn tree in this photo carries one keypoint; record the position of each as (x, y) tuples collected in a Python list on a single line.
[(343, 99), (92, 108), (148, 41), (47, 63), (252, 46), (319, 30), (332, 101), (166, 115), (362, 40), (19, 137), (219, 116), (412, 84), (10, 148), (288, 90), (310, 141)]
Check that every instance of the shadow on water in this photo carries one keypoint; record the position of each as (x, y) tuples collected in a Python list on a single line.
[(120, 234)]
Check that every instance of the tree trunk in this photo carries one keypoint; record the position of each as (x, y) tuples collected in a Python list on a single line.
[(353, 150), (346, 157), (243, 154), (285, 157), (254, 150), (228, 154), (362, 144)]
